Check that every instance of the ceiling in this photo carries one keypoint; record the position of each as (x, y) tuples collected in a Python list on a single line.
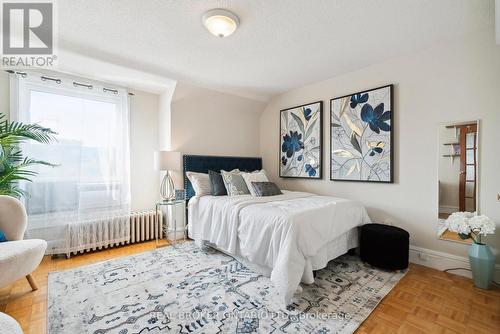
[(280, 45)]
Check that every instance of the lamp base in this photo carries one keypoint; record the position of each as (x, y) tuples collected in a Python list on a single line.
[(167, 190)]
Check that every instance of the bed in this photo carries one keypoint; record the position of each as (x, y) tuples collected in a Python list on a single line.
[(285, 237)]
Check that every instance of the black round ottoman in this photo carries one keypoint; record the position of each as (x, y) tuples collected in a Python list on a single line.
[(385, 246)]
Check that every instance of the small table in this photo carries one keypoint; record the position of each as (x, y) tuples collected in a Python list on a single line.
[(174, 220)]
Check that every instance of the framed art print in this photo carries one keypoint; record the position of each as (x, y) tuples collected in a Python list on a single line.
[(301, 138), (361, 136)]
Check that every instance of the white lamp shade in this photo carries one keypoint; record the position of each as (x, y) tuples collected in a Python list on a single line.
[(168, 160)]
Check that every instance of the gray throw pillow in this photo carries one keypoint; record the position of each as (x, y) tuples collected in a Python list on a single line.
[(217, 186), (266, 189), (234, 182)]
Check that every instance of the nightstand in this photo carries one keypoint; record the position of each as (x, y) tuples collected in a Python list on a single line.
[(174, 227)]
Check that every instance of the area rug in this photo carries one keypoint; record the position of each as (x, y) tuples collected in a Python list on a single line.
[(185, 289)]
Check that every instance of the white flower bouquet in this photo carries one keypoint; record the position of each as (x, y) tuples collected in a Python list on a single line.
[(470, 225)]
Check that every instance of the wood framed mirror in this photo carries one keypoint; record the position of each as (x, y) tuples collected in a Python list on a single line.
[(458, 177)]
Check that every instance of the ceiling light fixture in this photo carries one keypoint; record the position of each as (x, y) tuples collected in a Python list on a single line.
[(220, 22)]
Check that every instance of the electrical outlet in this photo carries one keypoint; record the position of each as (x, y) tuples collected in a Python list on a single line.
[(388, 221), (423, 256)]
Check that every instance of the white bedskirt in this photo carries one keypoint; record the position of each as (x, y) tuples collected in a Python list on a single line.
[(332, 250)]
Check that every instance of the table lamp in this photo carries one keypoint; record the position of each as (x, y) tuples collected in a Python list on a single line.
[(168, 161)]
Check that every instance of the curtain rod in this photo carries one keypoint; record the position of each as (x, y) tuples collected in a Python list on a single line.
[(59, 81)]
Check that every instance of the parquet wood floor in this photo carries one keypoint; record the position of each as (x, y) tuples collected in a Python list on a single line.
[(424, 301)]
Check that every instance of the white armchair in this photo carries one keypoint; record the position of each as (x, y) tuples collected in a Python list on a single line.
[(9, 325), (18, 257)]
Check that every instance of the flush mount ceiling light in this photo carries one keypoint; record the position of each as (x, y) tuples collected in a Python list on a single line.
[(220, 22)]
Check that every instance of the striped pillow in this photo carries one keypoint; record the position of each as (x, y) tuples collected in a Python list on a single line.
[(200, 182)]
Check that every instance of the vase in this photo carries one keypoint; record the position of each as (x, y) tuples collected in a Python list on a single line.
[(482, 263)]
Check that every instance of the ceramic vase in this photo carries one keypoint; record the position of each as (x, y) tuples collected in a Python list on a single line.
[(482, 263)]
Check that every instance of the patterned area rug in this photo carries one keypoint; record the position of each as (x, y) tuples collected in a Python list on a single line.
[(185, 289)]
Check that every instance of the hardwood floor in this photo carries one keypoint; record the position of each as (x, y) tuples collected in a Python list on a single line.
[(424, 301)]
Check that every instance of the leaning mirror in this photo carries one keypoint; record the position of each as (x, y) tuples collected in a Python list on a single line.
[(458, 180)]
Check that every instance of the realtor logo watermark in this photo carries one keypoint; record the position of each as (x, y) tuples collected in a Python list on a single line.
[(28, 34)]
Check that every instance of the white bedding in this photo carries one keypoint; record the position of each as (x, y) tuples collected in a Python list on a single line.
[(278, 232)]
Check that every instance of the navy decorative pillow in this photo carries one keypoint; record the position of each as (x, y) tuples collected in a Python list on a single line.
[(266, 189), (2, 237), (217, 187)]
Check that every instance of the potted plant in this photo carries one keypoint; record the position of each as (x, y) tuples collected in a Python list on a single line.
[(14, 166), (474, 226)]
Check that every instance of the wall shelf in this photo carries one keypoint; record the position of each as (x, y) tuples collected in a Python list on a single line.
[(450, 155)]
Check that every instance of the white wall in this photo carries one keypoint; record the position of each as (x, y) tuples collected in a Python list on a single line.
[(144, 141), (165, 119), (453, 82), (208, 122)]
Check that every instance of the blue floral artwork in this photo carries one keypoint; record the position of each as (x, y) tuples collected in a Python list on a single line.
[(301, 141), (361, 136)]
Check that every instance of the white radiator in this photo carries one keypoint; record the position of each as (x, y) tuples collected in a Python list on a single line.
[(121, 230), (145, 225)]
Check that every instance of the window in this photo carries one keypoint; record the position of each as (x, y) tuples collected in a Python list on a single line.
[(91, 180)]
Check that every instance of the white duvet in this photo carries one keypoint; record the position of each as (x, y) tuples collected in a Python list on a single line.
[(277, 232)]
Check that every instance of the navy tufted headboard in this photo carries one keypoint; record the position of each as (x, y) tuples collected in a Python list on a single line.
[(204, 163)]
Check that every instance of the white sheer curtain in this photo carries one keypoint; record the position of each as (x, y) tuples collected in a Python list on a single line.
[(84, 202)]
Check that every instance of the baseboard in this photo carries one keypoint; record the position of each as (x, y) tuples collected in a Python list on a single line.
[(442, 261)]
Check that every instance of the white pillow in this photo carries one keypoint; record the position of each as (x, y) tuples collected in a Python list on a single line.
[(200, 183), (258, 176)]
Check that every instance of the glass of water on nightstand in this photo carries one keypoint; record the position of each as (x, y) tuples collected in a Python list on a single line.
[(173, 225)]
